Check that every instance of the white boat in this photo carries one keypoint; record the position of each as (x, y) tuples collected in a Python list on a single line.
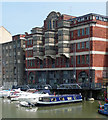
[(5, 93), (26, 104), (17, 95), (34, 97), (90, 99), (1, 94)]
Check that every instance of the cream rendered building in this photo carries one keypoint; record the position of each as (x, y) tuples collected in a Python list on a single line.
[(5, 36)]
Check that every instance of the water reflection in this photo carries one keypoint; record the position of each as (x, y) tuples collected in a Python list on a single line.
[(62, 108), (85, 109)]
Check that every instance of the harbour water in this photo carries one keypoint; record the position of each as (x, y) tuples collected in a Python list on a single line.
[(85, 109)]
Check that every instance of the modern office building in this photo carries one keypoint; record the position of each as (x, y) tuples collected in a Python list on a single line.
[(68, 49), (13, 61)]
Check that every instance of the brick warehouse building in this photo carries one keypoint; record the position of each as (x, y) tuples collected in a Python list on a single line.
[(68, 49), (13, 58)]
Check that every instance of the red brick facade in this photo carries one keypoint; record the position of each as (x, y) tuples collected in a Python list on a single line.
[(88, 48)]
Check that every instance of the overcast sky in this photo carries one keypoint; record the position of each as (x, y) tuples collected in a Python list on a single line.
[(19, 17)]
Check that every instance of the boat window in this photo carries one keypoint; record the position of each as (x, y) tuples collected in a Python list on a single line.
[(61, 98), (74, 97), (45, 99), (53, 99), (69, 98)]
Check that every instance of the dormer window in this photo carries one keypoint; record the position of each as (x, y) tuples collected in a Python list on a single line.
[(97, 17), (75, 22), (87, 18), (91, 17), (82, 19), (100, 18), (79, 20)]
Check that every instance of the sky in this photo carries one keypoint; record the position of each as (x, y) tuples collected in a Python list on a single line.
[(21, 17)]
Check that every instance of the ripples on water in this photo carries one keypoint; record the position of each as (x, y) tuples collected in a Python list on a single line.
[(85, 109)]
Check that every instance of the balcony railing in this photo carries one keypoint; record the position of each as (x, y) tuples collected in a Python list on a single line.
[(63, 50)]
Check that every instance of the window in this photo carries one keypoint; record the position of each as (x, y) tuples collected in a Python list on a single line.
[(87, 44), (72, 34), (27, 63), (91, 17), (10, 54), (53, 24), (18, 53), (83, 32), (31, 63), (50, 24), (44, 62), (63, 60), (78, 32), (30, 42), (14, 46), (71, 47), (49, 61), (87, 31), (78, 59), (18, 45), (83, 59), (78, 46), (57, 61), (87, 59), (18, 61), (38, 62), (10, 46), (83, 45), (72, 60)]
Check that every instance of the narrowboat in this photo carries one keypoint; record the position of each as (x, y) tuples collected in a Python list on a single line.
[(103, 109), (59, 99)]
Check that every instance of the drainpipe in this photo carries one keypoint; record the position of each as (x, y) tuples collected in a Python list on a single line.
[(89, 59)]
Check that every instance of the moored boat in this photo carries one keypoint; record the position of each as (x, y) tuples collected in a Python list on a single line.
[(59, 99), (103, 109), (26, 104), (34, 97), (16, 95), (106, 100)]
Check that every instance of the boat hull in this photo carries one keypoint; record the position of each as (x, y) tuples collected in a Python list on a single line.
[(56, 103), (103, 109), (102, 112)]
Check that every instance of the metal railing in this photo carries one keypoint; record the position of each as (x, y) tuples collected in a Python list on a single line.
[(91, 85)]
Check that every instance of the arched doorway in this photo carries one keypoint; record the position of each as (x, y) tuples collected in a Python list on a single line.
[(31, 77), (83, 77)]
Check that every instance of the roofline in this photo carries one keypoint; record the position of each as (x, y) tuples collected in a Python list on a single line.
[(5, 29), (17, 35), (7, 42), (91, 14), (69, 15)]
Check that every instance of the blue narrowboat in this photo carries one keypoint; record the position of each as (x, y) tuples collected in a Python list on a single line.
[(103, 110), (59, 99)]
